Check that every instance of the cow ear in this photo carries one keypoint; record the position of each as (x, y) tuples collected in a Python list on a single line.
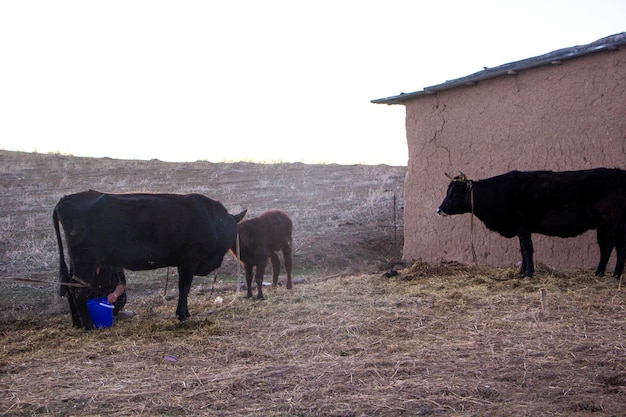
[(240, 216), (449, 176)]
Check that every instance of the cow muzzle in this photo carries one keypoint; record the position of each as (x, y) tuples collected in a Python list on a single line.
[(441, 212)]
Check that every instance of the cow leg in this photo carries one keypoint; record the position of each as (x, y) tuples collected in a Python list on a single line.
[(185, 277), (260, 272), (77, 296), (620, 248), (288, 264), (249, 280), (275, 268), (80, 313), (526, 247), (605, 241), (76, 322), (619, 264), (68, 292)]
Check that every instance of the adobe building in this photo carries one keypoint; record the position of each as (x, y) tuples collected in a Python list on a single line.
[(565, 110)]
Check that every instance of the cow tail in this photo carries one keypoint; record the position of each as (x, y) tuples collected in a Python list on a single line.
[(64, 275)]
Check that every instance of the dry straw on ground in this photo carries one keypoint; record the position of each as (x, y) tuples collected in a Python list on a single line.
[(458, 342), (438, 339)]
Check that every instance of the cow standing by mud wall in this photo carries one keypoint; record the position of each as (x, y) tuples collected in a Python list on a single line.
[(261, 238), (139, 232), (563, 204)]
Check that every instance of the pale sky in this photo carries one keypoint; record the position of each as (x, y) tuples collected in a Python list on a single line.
[(251, 80)]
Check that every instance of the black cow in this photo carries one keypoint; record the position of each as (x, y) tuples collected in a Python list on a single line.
[(139, 232), (261, 238), (562, 204)]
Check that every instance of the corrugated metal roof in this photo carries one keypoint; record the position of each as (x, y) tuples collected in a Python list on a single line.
[(556, 57)]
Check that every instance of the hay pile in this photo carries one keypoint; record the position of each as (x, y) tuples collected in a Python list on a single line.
[(435, 340)]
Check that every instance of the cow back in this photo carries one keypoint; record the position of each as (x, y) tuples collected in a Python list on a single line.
[(561, 204), (146, 231)]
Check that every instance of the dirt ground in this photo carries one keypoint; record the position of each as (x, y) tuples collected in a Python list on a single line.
[(437, 339)]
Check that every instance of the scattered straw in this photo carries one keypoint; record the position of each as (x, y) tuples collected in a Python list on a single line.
[(456, 342)]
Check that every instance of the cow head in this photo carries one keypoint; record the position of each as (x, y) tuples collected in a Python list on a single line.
[(458, 196)]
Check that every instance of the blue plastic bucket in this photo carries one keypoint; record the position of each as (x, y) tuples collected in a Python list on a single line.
[(101, 312)]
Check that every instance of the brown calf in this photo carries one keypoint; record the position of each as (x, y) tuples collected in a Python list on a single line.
[(261, 238)]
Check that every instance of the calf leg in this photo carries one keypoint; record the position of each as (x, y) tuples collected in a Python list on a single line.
[(249, 280), (260, 271), (288, 264), (275, 269)]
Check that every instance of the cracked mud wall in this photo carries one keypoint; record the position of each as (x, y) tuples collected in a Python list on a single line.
[(556, 117)]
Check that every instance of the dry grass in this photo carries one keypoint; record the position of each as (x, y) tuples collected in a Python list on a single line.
[(456, 343), (441, 339)]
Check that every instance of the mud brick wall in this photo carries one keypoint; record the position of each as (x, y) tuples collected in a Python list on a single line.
[(557, 117)]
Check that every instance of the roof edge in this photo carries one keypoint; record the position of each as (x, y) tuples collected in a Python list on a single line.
[(513, 68)]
